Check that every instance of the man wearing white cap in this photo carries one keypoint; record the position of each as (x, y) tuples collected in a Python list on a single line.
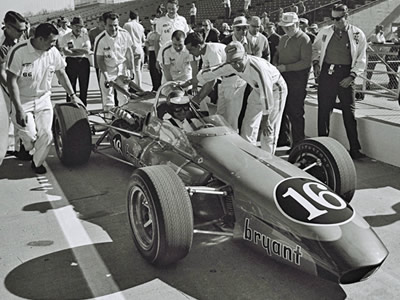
[(293, 60), (233, 87), (266, 100)]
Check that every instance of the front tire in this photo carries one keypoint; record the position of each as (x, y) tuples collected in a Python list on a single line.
[(327, 160), (72, 134), (160, 215)]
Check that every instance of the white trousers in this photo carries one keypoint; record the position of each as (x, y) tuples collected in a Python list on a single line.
[(4, 125), (107, 94), (36, 136), (253, 116), (230, 99)]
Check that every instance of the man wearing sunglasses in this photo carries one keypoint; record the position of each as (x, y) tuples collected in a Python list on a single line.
[(339, 56), (14, 29)]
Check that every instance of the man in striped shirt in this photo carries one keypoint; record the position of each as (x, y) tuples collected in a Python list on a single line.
[(266, 100)]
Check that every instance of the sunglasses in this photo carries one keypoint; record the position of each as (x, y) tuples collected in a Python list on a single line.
[(17, 29), (181, 108), (337, 18), (240, 28)]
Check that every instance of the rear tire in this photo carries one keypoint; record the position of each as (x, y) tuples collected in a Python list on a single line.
[(160, 215), (72, 134), (335, 167)]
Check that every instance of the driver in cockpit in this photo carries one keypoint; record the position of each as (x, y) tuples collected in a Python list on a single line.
[(179, 112)]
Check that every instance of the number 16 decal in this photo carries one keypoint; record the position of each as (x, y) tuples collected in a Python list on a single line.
[(309, 202)]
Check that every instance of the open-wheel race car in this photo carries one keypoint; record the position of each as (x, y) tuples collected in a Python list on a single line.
[(297, 211)]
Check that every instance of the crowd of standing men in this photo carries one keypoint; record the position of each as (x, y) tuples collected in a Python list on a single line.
[(254, 75)]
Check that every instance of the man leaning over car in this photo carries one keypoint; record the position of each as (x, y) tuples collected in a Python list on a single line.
[(267, 99)]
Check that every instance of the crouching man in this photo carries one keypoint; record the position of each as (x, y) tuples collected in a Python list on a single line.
[(31, 65), (267, 99)]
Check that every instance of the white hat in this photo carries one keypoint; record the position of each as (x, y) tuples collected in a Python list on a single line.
[(288, 19), (234, 50), (240, 21), (177, 97), (303, 21)]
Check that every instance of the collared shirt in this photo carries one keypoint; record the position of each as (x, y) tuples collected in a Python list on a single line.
[(179, 62), (136, 31), (34, 68), (358, 46), (294, 52), (258, 45), (214, 55), (258, 73), (338, 50), (151, 40), (114, 49), (70, 41), (193, 11), (165, 26)]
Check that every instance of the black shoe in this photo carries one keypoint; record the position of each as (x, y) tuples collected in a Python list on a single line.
[(22, 154), (356, 154), (38, 170)]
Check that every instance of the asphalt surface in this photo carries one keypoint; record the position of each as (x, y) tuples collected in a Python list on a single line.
[(65, 235)]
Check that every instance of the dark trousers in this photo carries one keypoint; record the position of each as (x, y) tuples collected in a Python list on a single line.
[(294, 108), (78, 68), (154, 73), (192, 20), (227, 12), (328, 90)]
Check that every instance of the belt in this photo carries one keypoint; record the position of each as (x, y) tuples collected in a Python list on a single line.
[(228, 76), (336, 65), (76, 58)]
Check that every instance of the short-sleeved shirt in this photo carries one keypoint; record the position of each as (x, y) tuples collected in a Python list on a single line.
[(193, 11), (165, 26), (179, 62), (35, 69), (136, 31), (70, 41), (114, 49), (214, 55)]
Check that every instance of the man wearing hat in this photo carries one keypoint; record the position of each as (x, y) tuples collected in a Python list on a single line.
[(313, 28), (293, 60), (339, 56), (266, 100), (232, 86), (76, 47), (63, 27), (304, 28)]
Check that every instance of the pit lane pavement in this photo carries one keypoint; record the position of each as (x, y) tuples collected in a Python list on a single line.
[(65, 235)]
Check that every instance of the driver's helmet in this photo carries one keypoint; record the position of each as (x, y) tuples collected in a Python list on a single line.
[(177, 101)]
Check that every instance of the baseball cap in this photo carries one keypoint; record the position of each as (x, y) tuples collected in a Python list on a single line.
[(288, 19), (234, 51), (240, 21)]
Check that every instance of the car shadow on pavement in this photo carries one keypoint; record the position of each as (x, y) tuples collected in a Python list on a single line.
[(384, 219), (215, 268)]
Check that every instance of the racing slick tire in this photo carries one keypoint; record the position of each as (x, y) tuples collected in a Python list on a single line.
[(160, 215), (72, 134), (334, 166)]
